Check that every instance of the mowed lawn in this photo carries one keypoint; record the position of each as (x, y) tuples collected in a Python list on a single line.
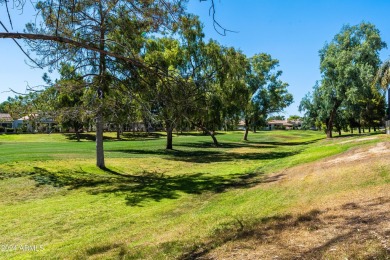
[(151, 203)]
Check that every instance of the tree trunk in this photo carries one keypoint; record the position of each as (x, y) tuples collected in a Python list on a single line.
[(374, 128), (254, 129), (99, 141), (360, 130), (246, 130), (212, 134), (351, 130), (329, 125), (118, 132), (339, 132), (169, 138), (208, 132), (77, 135), (329, 129)]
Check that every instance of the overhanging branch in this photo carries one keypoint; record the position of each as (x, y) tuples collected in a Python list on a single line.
[(59, 39)]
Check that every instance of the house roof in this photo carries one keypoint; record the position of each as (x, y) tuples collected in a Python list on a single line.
[(6, 117), (279, 122), (28, 117)]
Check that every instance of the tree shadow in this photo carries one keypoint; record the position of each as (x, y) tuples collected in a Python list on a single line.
[(141, 136), (358, 135), (198, 134), (203, 156), (85, 137), (287, 143), (230, 145), (146, 186)]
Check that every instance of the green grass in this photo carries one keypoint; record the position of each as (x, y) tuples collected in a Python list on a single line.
[(150, 203)]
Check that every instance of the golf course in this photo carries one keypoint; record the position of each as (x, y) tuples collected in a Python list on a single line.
[(280, 195)]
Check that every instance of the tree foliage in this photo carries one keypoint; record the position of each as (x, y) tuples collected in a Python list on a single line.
[(348, 65)]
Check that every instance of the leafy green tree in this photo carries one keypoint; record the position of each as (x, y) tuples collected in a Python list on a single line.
[(294, 117), (348, 65), (383, 78), (79, 32), (279, 117), (267, 93), (167, 96), (66, 99)]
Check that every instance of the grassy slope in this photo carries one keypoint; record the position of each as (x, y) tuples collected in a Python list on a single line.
[(152, 203)]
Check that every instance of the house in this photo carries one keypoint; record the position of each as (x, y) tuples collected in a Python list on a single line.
[(297, 124), (6, 121), (279, 124), (34, 123), (241, 125)]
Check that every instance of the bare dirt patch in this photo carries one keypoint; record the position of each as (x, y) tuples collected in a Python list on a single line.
[(359, 140), (382, 148)]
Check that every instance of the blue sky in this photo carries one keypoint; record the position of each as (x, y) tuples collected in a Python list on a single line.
[(292, 31)]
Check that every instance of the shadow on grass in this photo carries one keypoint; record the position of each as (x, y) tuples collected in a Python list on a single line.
[(147, 186), (197, 134), (141, 136), (358, 135), (222, 145), (287, 143), (85, 137), (138, 136), (208, 156)]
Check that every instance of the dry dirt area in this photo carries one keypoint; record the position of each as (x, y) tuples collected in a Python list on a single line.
[(340, 225)]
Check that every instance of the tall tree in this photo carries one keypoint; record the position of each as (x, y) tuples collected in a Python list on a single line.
[(66, 99), (344, 65), (267, 93), (79, 32), (168, 97), (383, 78)]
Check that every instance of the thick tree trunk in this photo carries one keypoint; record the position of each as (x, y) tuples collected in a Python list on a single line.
[(246, 130), (99, 141), (351, 130), (78, 135), (329, 123), (360, 130), (246, 134), (169, 131), (369, 129), (374, 128), (329, 129), (339, 132)]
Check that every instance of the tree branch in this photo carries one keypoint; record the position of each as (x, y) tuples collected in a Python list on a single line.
[(59, 39), (20, 47)]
